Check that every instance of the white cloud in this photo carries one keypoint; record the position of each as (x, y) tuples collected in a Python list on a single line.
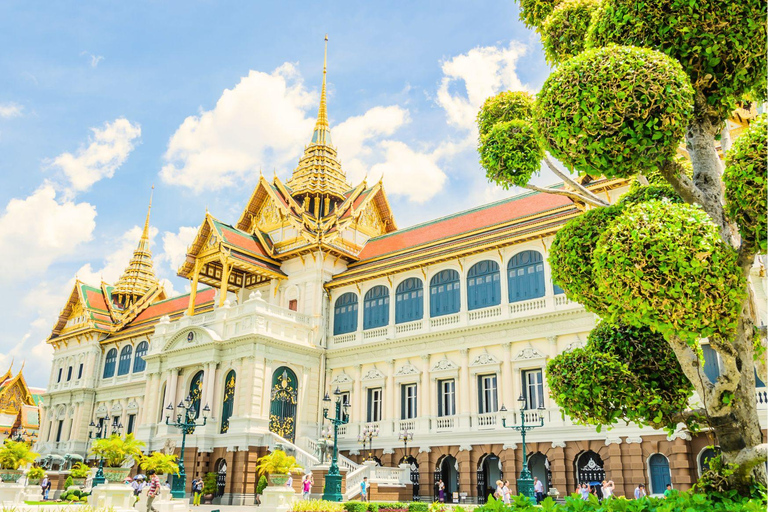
[(409, 172), (484, 71), (95, 59), (175, 247), (358, 137), (108, 149), (10, 110), (38, 230), (259, 123)]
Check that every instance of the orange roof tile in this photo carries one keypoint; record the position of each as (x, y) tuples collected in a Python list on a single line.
[(482, 217), (95, 299), (174, 305)]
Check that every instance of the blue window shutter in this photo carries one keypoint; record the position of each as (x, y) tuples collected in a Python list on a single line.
[(483, 286), (525, 274), (444, 293), (345, 314)]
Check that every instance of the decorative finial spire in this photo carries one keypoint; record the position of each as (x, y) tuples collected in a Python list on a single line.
[(139, 276), (322, 133)]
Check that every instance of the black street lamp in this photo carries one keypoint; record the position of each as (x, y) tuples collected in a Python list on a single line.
[(366, 437), (99, 431), (525, 482), (405, 436), (333, 478), (185, 421)]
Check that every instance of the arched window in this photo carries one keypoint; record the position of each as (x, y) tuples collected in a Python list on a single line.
[(284, 396), (345, 314), (483, 285), (658, 466), (409, 301), (705, 458), (376, 307), (138, 361), (109, 363), (525, 272), (444, 296), (228, 401), (125, 360), (196, 395)]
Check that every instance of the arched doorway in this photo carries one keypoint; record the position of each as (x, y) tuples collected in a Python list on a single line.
[(589, 470), (282, 412), (195, 395), (221, 477), (658, 469), (447, 470), (538, 465), (411, 460), (488, 472)]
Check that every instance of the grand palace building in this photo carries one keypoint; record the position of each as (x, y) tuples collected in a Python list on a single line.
[(425, 332)]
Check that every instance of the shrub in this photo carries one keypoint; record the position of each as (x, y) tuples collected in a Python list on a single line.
[(563, 32), (417, 506), (511, 153), (116, 450), (35, 473), (641, 194), (278, 463), (505, 106), (316, 506), (615, 111), (79, 470), (745, 184), (163, 464), (209, 483), (262, 484), (355, 506), (665, 266), (68, 482), (16, 454), (534, 12)]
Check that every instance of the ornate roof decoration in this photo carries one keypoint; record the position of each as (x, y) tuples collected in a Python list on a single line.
[(484, 359), (139, 277), (407, 369), (372, 374), (444, 364)]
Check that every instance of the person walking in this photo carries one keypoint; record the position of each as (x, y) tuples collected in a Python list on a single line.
[(441, 491), (364, 489), (137, 485), (498, 493), (538, 488), (506, 493), (154, 490), (640, 491), (306, 486), (197, 491), (45, 485)]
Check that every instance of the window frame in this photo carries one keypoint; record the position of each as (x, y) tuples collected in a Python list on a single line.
[(538, 387), (110, 363), (374, 406), (445, 293), (446, 397), (376, 307), (345, 321), (139, 364), (528, 276), (483, 286), (409, 301), (487, 396), (124, 362), (409, 402)]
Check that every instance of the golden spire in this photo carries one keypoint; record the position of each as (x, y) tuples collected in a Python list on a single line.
[(139, 277), (319, 174)]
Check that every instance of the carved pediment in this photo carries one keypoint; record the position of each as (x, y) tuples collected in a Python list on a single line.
[(484, 359), (529, 353), (341, 378), (407, 369), (443, 365), (372, 374)]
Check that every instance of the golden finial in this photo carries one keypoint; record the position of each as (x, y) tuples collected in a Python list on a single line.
[(145, 233), (321, 126)]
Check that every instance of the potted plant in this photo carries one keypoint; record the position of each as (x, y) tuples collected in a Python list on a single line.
[(278, 466), (260, 486), (35, 475), (162, 463), (79, 473), (209, 487), (116, 451), (14, 455)]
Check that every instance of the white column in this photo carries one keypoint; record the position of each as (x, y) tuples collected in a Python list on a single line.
[(507, 396), (504, 280), (266, 385), (391, 395), (210, 377), (425, 396), (464, 387), (358, 408), (170, 388)]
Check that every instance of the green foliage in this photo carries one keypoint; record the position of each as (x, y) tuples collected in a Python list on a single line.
[(615, 111), (720, 43), (316, 506), (563, 33), (68, 482), (16, 454), (355, 506), (640, 194), (534, 12), (278, 463), (505, 106), (209, 483), (36, 473), (664, 265), (79, 470), (417, 506), (163, 464), (510, 153), (745, 184), (571, 257), (262, 484), (117, 450)]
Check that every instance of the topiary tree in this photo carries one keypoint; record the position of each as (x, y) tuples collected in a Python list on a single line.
[(645, 100)]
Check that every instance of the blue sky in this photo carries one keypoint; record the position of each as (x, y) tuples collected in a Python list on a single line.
[(101, 100)]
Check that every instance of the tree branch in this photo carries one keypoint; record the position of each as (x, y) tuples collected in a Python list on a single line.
[(573, 183), (683, 185), (751, 457), (568, 193), (684, 416)]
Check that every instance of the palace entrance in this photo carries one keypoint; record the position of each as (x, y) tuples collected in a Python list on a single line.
[(282, 412), (488, 472)]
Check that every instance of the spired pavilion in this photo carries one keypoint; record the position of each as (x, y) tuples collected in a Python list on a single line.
[(19, 407), (427, 331)]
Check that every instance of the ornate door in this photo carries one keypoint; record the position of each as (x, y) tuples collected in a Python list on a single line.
[(221, 477), (195, 395), (282, 413)]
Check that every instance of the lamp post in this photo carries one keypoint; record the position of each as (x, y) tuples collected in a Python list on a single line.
[(525, 482), (332, 490), (366, 437), (186, 415), (405, 436), (20, 435), (99, 431)]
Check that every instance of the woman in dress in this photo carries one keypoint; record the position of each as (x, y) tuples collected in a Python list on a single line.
[(584, 492), (506, 493), (441, 491)]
